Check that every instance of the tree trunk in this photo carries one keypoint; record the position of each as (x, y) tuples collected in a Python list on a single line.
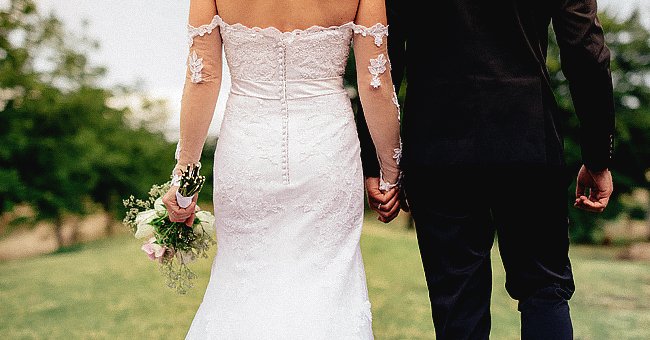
[(74, 236), (58, 232), (647, 221), (108, 223)]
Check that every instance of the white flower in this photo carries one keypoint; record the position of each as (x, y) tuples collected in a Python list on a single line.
[(206, 222), (159, 207), (143, 221)]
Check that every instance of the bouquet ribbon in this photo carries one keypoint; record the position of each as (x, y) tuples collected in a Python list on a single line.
[(183, 201)]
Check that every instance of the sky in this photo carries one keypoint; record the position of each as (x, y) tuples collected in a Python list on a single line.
[(145, 41)]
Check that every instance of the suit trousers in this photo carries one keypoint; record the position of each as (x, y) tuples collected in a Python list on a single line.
[(459, 210)]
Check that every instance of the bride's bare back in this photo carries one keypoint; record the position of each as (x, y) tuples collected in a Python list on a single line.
[(287, 15)]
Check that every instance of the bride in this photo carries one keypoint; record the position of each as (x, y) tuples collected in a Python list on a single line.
[(288, 187)]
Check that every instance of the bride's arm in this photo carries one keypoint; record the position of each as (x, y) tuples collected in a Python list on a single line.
[(202, 83), (376, 90), (397, 55)]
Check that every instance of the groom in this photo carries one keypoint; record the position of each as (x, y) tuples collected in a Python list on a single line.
[(483, 152)]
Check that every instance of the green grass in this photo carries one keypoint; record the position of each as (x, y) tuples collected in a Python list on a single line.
[(108, 289)]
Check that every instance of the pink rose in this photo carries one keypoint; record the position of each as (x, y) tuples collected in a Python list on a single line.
[(154, 251)]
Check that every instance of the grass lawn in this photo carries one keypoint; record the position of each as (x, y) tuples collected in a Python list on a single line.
[(108, 289)]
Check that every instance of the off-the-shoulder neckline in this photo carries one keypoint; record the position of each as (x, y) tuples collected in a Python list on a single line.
[(218, 21)]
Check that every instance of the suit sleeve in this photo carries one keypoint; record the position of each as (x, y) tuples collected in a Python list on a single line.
[(586, 65), (397, 55)]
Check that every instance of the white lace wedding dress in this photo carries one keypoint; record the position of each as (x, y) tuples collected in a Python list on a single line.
[(288, 190)]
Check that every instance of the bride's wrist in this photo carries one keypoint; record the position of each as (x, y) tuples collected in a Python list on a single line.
[(179, 169), (388, 182), (176, 175)]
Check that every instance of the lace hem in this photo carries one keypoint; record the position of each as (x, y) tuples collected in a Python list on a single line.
[(378, 31), (385, 185), (176, 179), (193, 32)]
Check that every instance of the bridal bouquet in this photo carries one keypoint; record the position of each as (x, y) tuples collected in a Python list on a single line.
[(172, 244)]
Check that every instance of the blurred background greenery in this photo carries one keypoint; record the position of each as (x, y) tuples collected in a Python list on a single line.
[(71, 148)]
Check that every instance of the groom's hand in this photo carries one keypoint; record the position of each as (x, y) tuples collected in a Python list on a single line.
[(600, 189), (386, 204)]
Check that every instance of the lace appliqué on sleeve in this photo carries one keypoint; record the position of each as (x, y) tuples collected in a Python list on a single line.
[(376, 68), (193, 32), (398, 153), (378, 31), (396, 102), (196, 66), (175, 176), (176, 180), (177, 154)]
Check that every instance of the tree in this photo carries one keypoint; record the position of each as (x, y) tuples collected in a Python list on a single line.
[(63, 144)]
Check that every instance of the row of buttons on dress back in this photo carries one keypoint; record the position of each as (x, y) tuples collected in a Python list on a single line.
[(282, 54)]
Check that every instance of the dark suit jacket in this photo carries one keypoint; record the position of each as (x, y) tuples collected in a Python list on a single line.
[(479, 91)]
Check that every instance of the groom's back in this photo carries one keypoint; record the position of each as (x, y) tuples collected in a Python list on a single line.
[(496, 38), (478, 88)]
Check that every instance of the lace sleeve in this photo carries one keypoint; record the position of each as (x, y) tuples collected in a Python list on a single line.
[(376, 89), (202, 83)]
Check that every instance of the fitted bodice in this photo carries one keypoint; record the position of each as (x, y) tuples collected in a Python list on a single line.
[(267, 54), (295, 69)]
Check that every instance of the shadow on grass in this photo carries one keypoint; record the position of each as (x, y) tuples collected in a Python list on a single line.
[(69, 249)]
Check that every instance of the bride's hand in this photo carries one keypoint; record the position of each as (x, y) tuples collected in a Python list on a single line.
[(386, 204), (176, 213)]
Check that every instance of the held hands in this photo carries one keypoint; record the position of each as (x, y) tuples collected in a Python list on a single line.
[(386, 204), (600, 189), (176, 213)]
